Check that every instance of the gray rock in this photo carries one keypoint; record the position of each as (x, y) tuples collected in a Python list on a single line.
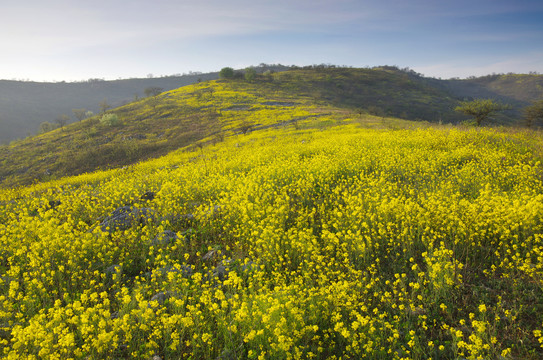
[(5, 281), (185, 221), (161, 297), (113, 269), (214, 211), (220, 272), (165, 238), (187, 217), (125, 217), (149, 196), (211, 255), (186, 271), (250, 266), (227, 354), (135, 137)]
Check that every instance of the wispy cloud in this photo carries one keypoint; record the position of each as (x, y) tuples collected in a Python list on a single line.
[(38, 25), (69, 34)]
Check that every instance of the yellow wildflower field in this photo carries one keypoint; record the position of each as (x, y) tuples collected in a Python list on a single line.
[(341, 243)]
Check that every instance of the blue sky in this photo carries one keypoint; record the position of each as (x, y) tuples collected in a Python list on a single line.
[(75, 40)]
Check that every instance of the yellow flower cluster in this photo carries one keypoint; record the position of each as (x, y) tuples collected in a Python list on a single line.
[(346, 243)]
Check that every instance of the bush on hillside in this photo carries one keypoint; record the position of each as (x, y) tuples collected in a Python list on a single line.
[(110, 119), (250, 74), (226, 73)]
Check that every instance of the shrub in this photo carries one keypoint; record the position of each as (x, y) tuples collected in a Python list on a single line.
[(226, 73), (250, 74), (46, 127), (110, 119)]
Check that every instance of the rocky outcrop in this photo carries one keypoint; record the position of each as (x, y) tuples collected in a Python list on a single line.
[(125, 217)]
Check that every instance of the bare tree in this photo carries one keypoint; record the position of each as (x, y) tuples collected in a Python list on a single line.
[(62, 120), (104, 105), (153, 91), (80, 114)]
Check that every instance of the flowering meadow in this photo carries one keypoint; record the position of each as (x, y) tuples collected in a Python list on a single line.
[(336, 243)]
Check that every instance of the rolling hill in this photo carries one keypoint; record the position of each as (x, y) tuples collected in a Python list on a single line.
[(209, 111), (323, 233), (383, 90), (290, 216), (24, 105)]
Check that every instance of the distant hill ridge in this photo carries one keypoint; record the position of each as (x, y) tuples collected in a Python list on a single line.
[(24, 105), (206, 112)]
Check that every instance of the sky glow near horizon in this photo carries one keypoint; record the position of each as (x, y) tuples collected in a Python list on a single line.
[(62, 40)]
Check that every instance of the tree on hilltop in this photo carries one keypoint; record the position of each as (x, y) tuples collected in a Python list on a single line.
[(480, 109), (226, 73), (250, 74)]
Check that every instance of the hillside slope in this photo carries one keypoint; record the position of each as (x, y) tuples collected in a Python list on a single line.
[(385, 90), (210, 111), (517, 90), (521, 87), (24, 105), (309, 243), (151, 127)]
